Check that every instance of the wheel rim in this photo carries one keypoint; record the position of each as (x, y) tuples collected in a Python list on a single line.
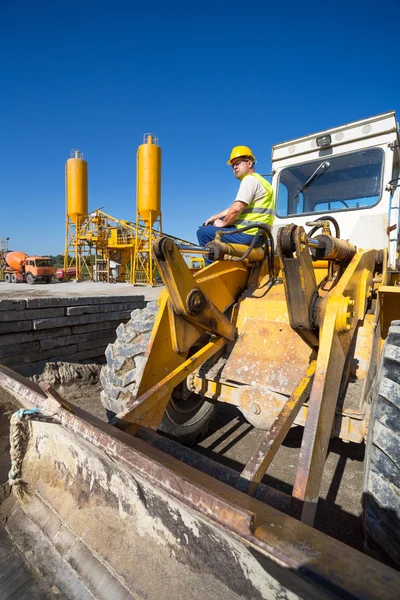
[(186, 402)]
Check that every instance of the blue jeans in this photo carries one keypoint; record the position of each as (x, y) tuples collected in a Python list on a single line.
[(207, 234)]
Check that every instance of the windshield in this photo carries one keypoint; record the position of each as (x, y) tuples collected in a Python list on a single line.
[(352, 181), (42, 262)]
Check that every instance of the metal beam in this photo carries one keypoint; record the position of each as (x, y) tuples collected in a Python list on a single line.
[(263, 456)]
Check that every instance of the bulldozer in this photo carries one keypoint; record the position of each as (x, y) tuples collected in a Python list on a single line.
[(301, 328)]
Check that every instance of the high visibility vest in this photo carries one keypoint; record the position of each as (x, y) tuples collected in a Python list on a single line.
[(260, 211)]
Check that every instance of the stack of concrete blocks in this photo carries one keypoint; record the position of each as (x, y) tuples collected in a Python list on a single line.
[(34, 331)]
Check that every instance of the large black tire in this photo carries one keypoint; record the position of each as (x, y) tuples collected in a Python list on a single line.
[(381, 493), (30, 279), (187, 414)]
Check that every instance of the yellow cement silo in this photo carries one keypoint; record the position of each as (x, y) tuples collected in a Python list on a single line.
[(76, 179), (148, 179), (77, 253), (148, 209)]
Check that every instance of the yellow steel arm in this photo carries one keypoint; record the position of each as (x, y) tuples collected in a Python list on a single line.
[(341, 310), (165, 387), (177, 328)]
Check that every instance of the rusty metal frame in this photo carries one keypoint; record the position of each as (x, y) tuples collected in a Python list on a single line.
[(342, 309), (269, 445), (349, 425)]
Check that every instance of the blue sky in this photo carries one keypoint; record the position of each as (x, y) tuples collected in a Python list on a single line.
[(203, 76)]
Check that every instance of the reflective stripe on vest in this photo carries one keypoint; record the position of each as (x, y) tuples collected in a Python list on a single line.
[(261, 211)]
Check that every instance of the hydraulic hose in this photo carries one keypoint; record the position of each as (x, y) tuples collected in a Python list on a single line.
[(326, 218), (266, 232), (250, 248)]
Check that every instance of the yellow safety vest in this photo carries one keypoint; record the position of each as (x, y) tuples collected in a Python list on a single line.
[(260, 211)]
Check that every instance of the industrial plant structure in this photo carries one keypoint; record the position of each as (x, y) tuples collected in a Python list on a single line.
[(103, 248)]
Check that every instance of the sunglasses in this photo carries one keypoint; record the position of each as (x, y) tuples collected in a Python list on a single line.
[(240, 161)]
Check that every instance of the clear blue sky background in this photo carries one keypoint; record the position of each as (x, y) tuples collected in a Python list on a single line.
[(204, 76)]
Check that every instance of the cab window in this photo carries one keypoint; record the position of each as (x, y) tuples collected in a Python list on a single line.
[(350, 181)]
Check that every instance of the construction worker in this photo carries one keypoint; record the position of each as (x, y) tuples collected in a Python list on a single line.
[(254, 202)]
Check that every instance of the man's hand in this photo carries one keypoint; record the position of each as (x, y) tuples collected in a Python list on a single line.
[(217, 217), (231, 214)]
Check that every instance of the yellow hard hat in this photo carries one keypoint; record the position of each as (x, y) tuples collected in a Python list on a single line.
[(239, 151)]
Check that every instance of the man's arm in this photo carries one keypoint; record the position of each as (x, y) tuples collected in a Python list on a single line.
[(244, 197), (220, 215), (231, 214)]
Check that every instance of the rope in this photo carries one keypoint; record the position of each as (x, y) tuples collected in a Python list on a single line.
[(17, 437)]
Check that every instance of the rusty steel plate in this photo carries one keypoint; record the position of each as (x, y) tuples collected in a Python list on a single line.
[(269, 354)]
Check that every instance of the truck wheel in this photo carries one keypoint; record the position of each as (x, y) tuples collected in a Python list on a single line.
[(7, 277), (30, 279), (13, 278), (381, 493), (187, 414)]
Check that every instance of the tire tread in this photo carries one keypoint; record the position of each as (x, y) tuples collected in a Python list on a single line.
[(381, 493), (120, 377)]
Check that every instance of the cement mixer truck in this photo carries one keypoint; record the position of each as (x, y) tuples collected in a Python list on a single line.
[(19, 267)]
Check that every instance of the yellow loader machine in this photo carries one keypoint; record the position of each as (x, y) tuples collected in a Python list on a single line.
[(300, 328)]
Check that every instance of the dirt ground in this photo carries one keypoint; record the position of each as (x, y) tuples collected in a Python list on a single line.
[(231, 440), (80, 288)]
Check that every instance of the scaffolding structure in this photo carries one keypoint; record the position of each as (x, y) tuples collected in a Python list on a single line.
[(78, 254), (103, 248), (145, 270)]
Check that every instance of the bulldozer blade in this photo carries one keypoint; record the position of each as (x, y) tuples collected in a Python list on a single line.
[(102, 514)]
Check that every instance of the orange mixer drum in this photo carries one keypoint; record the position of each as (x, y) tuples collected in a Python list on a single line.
[(15, 260)]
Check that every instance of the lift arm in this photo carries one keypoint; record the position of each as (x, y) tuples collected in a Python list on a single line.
[(299, 280), (329, 323), (191, 306)]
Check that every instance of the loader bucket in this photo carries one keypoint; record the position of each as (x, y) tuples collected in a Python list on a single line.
[(99, 513)]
